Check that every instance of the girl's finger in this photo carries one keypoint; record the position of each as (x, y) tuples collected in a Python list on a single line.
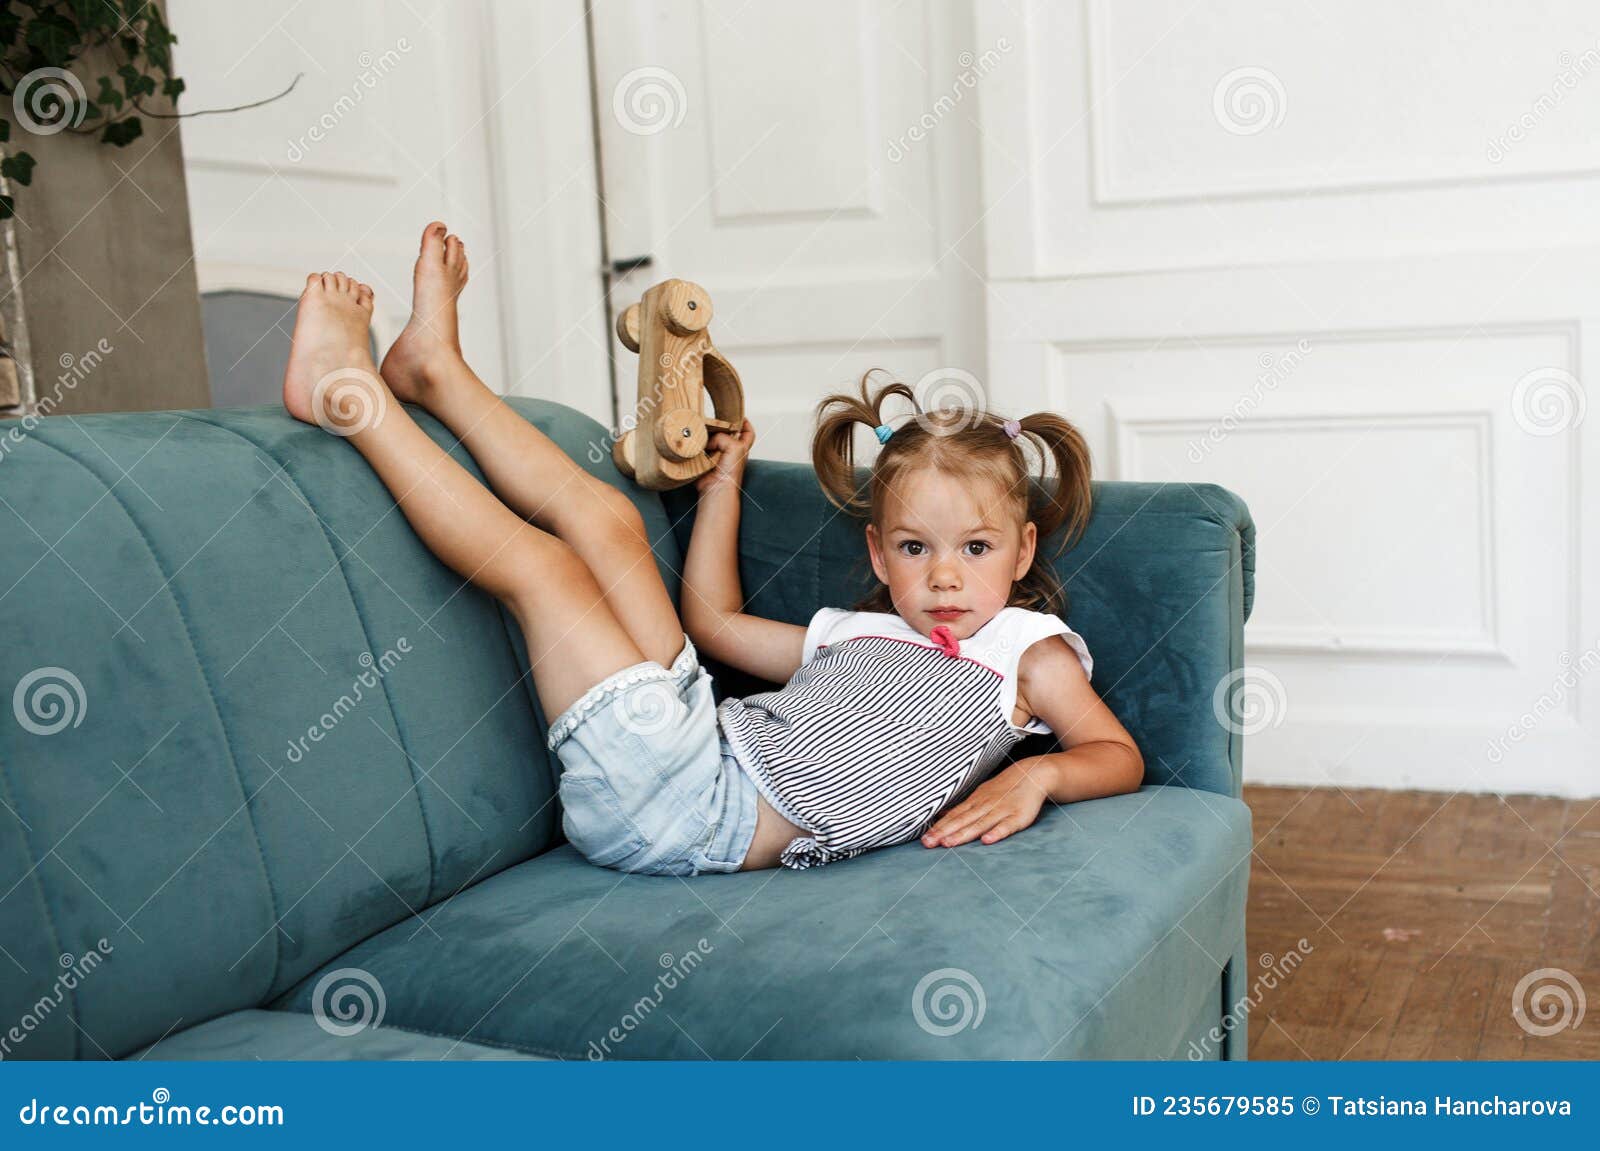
[(959, 819), (965, 835), (970, 828), (999, 831), (955, 814)]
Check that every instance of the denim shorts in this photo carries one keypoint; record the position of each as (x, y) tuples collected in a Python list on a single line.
[(647, 783)]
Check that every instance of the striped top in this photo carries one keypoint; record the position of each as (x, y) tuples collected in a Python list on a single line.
[(882, 728)]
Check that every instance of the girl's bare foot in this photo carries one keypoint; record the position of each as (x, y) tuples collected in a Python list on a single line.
[(431, 335), (331, 380)]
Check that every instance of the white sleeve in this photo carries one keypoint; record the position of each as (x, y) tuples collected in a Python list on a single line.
[(1030, 628), (817, 631)]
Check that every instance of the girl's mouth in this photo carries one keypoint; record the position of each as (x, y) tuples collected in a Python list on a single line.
[(947, 613)]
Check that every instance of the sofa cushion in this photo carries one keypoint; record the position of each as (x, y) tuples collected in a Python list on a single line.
[(290, 1035), (1101, 931)]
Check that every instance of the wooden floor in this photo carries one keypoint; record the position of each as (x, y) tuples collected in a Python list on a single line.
[(1422, 912)]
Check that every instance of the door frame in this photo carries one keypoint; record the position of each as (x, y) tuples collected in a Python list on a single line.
[(546, 195)]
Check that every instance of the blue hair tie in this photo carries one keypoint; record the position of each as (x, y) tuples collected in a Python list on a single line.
[(884, 432)]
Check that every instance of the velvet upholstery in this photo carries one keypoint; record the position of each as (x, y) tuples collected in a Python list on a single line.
[(294, 741), (826, 963), (256, 1034)]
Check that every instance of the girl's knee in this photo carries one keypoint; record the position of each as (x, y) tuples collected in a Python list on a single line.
[(612, 506), (542, 564)]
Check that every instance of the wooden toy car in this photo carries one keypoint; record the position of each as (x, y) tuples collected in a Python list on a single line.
[(678, 367)]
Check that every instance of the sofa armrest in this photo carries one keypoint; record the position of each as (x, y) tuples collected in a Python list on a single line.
[(1159, 586)]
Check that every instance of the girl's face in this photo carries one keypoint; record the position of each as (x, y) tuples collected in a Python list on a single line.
[(948, 543)]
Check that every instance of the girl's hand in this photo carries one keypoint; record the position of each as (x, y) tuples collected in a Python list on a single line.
[(1005, 803), (734, 450)]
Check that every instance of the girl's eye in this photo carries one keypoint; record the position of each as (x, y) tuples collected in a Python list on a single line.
[(983, 548), (906, 545)]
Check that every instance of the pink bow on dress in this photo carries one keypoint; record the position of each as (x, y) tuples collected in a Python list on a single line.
[(947, 642)]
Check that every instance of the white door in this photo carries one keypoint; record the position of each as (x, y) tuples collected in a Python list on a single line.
[(762, 151), (380, 135)]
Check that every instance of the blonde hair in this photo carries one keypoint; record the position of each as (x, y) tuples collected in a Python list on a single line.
[(968, 445)]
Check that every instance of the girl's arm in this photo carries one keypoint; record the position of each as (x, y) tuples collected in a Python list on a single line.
[(1100, 759), (712, 601)]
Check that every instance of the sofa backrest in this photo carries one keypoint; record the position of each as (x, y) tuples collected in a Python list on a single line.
[(1160, 586), (252, 721)]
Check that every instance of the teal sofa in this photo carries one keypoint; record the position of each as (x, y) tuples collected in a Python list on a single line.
[(273, 784)]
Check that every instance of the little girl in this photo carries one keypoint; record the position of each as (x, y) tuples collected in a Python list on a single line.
[(893, 716)]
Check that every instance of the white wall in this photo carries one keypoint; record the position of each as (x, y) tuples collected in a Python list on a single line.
[(379, 136), (1339, 259), (472, 111)]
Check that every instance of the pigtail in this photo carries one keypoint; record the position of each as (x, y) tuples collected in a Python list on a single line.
[(833, 446), (1059, 509), (1068, 501)]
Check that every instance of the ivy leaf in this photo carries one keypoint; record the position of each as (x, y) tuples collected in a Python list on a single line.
[(18, 168), (133, 81), (172, 87), (5, 130), (121, 133), (54, 36), (94, 14), (10, 22), (7, 208), (158, 43), (108, 94)]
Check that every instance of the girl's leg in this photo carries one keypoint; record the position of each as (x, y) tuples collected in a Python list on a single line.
[(529, 472), (574, 640)]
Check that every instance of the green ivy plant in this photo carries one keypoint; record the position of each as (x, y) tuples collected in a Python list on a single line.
[(41, 40)]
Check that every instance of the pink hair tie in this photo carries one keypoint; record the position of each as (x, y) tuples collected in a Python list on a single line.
[(1013, 428)]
